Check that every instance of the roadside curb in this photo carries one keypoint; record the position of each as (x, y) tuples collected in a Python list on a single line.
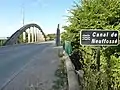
[(73, 81)]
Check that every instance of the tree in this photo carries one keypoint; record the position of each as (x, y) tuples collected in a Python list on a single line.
[(51, 36), (96, 14)]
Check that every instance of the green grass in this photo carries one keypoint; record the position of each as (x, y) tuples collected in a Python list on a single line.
[(61, 82)]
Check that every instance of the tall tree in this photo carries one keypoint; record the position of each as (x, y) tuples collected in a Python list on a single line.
[(96, 14)]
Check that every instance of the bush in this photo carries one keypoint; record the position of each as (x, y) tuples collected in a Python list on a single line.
[(96, 14)]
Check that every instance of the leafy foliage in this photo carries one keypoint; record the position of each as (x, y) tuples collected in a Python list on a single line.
[(61, 77), (96, 14), (20, 39), (1, 42), (51, 36)]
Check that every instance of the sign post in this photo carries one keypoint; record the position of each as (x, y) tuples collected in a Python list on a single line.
[(99, 38), (98, 59)]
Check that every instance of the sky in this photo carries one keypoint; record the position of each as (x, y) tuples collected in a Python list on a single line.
[(46, 13)]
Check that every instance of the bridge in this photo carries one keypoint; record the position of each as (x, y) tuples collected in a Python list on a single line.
[(22, 65), (28, 33)]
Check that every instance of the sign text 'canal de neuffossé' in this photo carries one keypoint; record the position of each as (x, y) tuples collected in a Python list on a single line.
[(99, 37)]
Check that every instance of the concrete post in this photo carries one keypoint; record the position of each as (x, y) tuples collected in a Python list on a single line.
[(28, 35), (32, 32), (24, 36), (35, 30), (38, 36), (42, 37)]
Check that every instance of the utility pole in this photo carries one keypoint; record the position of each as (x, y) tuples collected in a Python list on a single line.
[(23, 14), (23, 20)]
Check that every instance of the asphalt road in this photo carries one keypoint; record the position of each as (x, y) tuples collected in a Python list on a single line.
[(14, 58)]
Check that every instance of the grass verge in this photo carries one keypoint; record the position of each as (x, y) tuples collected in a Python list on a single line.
[(61, 82)]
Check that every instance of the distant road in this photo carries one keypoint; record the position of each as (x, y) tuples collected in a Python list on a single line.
[(14, 58)]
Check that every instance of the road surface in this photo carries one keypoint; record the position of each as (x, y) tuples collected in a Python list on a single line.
[(25, 65)]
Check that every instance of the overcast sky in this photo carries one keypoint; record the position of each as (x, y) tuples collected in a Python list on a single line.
[(46, 13)]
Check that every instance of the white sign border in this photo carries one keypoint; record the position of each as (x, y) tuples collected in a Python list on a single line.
[(97, 30)]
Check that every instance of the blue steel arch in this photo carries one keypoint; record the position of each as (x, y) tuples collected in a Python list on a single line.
[(12, 40)]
